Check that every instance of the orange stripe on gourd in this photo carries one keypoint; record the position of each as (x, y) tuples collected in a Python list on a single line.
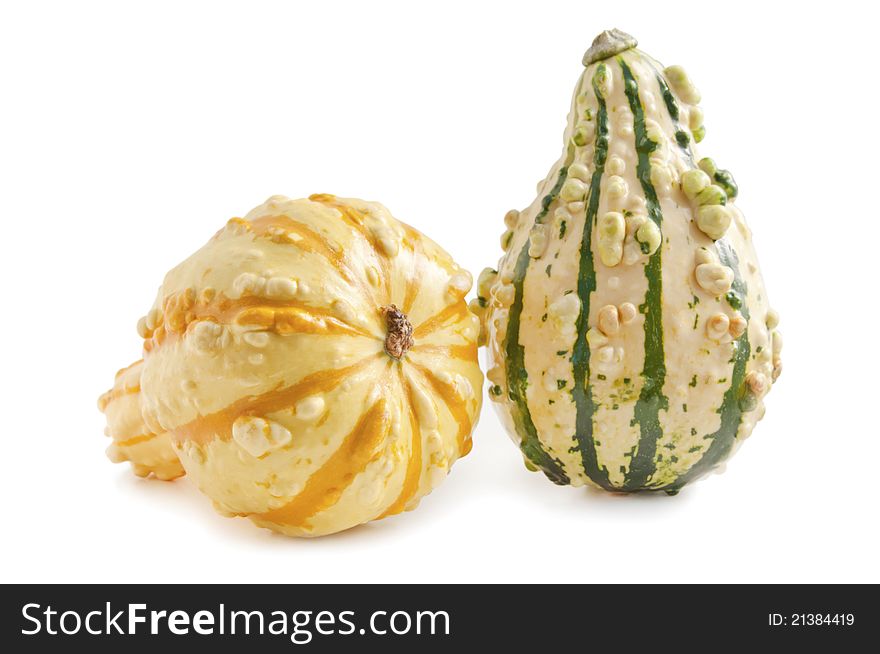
[(297, 319), (457, 311), (238, 222), (457, 407), (464, 351), (218, 425), (326, 485), (280, 316), (414, 464), (351, 216), (355, 219), (284, 229), (135, 440)]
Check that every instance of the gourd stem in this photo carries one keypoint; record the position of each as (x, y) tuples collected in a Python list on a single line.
[(399, 338), (608, 44)]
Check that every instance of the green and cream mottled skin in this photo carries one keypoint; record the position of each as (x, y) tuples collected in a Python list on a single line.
[(630, 340)]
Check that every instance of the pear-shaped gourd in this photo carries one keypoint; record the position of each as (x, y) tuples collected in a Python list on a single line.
[(630, 341)]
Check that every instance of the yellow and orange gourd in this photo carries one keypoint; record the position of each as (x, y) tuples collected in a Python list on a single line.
[(312, 367)]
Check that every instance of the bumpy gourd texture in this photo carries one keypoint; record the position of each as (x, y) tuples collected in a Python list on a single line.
[(149, 452), (630, 338), (269, 369)]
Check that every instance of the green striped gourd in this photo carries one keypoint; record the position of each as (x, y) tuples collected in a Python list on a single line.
[(630, 342)]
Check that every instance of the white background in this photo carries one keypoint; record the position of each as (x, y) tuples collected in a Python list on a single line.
[(131, 132)]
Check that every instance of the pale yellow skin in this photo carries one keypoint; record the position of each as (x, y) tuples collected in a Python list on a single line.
[(265, 361), (150, 453), (698, 336)]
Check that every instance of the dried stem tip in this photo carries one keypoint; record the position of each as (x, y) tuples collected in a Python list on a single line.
[(608, 44), (399, 338)]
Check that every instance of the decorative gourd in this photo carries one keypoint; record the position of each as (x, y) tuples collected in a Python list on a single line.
[(314, 365), (629, 337)]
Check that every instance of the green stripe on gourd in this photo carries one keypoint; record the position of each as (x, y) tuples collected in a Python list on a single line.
[(651, 399), (731, 410), (681, 135), (668, 98), (585, 405), (517, 375)]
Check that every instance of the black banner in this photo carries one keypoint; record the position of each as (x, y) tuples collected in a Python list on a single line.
[(435, 618)]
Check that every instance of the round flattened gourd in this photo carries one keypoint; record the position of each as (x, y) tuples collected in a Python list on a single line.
[(630, 341), (314, 365)]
